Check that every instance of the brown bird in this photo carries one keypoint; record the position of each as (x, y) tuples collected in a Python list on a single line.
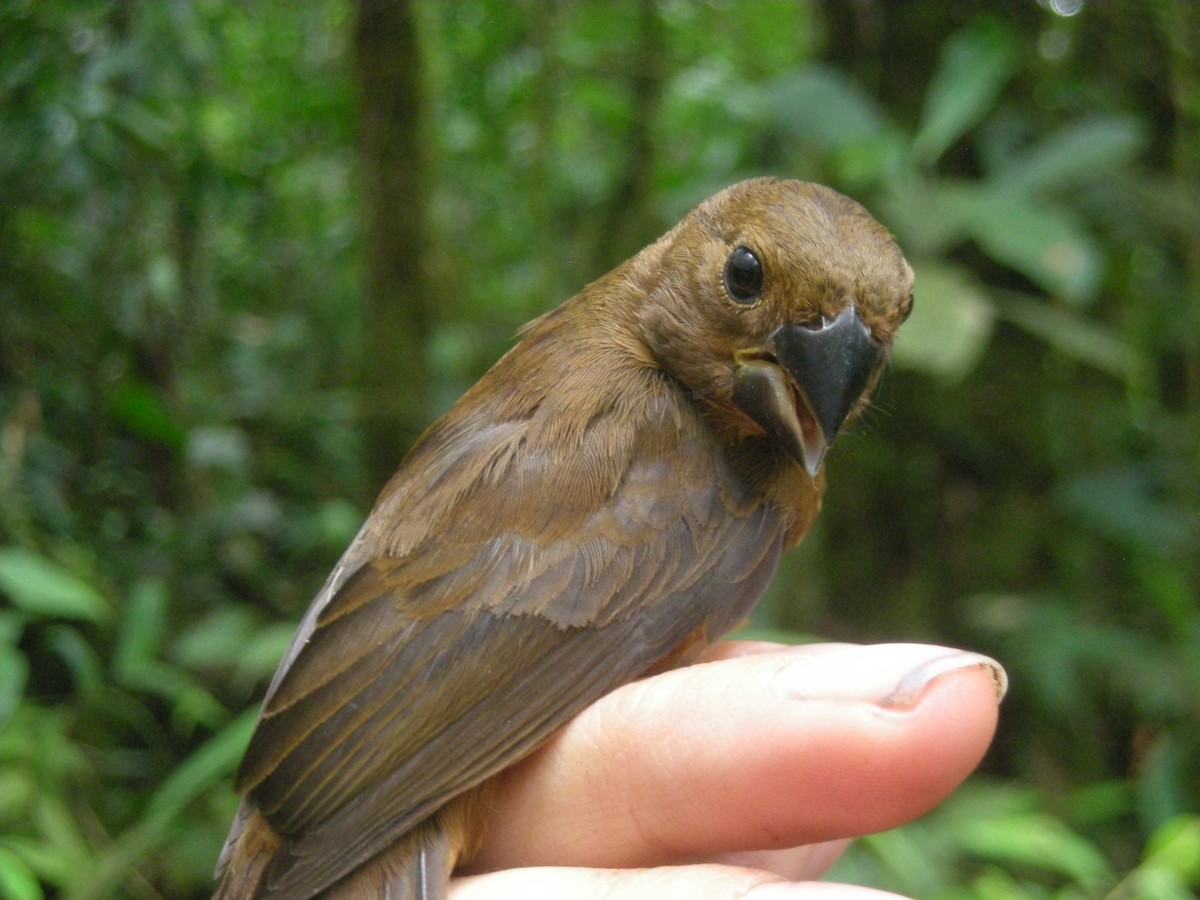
[(612, 496)]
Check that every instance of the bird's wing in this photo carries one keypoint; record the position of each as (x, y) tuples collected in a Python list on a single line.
[(525, 599)]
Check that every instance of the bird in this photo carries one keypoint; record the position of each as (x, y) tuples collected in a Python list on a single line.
[(611, 497)]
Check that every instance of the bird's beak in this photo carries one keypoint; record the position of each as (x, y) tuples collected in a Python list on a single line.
[(800, 388)]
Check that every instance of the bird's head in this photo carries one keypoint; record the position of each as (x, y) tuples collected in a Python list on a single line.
[(776, 302)]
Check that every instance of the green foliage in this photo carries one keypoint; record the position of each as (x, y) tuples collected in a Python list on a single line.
[(180, 455), (41, 589), (993, 842), (176, 184)]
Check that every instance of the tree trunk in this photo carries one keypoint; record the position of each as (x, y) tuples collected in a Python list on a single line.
[(393, 377), (623, 224)]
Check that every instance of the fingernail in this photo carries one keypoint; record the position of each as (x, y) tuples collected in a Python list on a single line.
[(893, 676), (910, 688)]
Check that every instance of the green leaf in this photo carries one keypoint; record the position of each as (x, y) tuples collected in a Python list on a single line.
[(14, 671), (923, 214), (14, 667), (215, 761), (900, 853), (972, 68), (219, 638), (143, 624), (137, 663), (1046, 244), (80, 657), (1073, 336), (1152, 884), (64, 849), (950, 324), (43, 588), (142, 409), (1041, 841), (865, 164), (996, 884), (12, 626), (1175, 847), (1165, 773), (17, 880), (264, 652), (800, 105), (145, 126), (1077, 154)]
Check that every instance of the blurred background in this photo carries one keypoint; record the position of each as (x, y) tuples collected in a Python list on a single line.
[(248, 250)]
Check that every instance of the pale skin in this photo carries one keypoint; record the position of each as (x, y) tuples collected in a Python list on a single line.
[(743, 777)]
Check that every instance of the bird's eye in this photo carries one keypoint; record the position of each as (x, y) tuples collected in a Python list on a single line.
[(743, 276)]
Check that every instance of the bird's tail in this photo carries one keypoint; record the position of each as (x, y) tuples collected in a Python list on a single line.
[(415, 867), (248, 850)]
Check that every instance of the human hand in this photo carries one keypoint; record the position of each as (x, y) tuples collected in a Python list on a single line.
[(743, 776)]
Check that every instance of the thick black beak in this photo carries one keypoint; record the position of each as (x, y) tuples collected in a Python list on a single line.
[(828, 366)]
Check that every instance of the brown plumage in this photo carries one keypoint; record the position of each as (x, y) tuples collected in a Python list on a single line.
[(614, 493)]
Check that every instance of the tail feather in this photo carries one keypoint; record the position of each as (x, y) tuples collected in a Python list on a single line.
[(415, 867), (249, 849)]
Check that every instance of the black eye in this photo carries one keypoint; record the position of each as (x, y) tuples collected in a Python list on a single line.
[(743, 276)]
